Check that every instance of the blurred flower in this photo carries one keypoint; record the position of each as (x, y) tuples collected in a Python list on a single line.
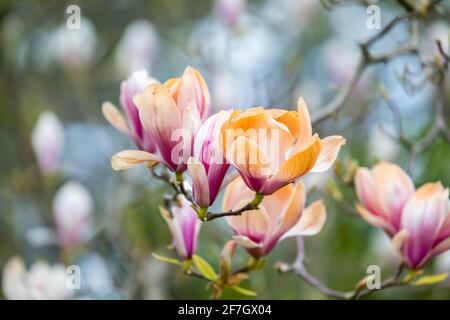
[(72, 209), (136, 83), (291, 12), (47, 140), (208, 166), (74, 48), (425, 225), (172, 113), (137, 48), (383, 192), (229, 11), (41, 282), (340, 70), (184, 226), (279, 216), (271, 148)]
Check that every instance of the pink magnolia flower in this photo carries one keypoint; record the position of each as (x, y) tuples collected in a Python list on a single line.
[(383, 192), (172, 113), (208, 166), (279, 216), (132, 127), (425, 225), (47, 140), (184, 226), (273, 147), (418, 221)]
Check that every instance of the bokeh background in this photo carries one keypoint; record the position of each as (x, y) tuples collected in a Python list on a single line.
[(263, 52)]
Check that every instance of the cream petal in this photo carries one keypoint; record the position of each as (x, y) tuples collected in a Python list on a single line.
[(130, 158), (246, 242), (305, 128), (311, 221), (330, 149), (114, 117)]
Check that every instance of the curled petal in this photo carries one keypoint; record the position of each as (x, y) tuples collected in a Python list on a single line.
[(114, 117), (130, 158), (328, 154)]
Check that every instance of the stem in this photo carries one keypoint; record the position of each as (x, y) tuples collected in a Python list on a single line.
[(252, 205)]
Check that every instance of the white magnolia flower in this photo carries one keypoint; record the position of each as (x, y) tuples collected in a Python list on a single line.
[(137, 48), (72, 209), (47, 140), (74, 48), (41, 282)]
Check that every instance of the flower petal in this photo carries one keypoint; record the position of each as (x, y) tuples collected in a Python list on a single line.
[(200, 184), (375, 220), (328, 153), (246, 242), (114, 117), (296, 166), (311, 222), (130, 158), (305, 128)]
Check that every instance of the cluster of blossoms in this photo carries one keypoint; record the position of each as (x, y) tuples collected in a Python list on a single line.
[(269, 148), (258, 155)]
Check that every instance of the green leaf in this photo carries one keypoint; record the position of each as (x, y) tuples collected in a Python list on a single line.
[(204, 267), (245, 292), (166, 259), (427, 280)]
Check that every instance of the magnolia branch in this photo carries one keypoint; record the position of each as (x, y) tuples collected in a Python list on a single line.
[(367, 59), (361, 291)]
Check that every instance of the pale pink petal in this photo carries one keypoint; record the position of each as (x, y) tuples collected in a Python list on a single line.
[(200, 184)]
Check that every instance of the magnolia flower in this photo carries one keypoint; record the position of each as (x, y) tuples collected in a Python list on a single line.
[(74, 48), (72, 210), (136, 83), (184, 226), (279, 216), (47, 140), (425, 225), (229, 11), (271, 148), (41, 282), (418, 221), (137, 47), (383, 192), (171, 113), (208, 166)]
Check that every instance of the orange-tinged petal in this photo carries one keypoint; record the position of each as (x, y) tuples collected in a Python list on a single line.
[(114, 117), (301, 162), (130, 158), (311, 222), (328, 153), (305, 128), (248, 158)]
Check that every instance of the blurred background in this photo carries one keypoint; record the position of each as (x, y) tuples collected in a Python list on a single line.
[(61, 202)]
